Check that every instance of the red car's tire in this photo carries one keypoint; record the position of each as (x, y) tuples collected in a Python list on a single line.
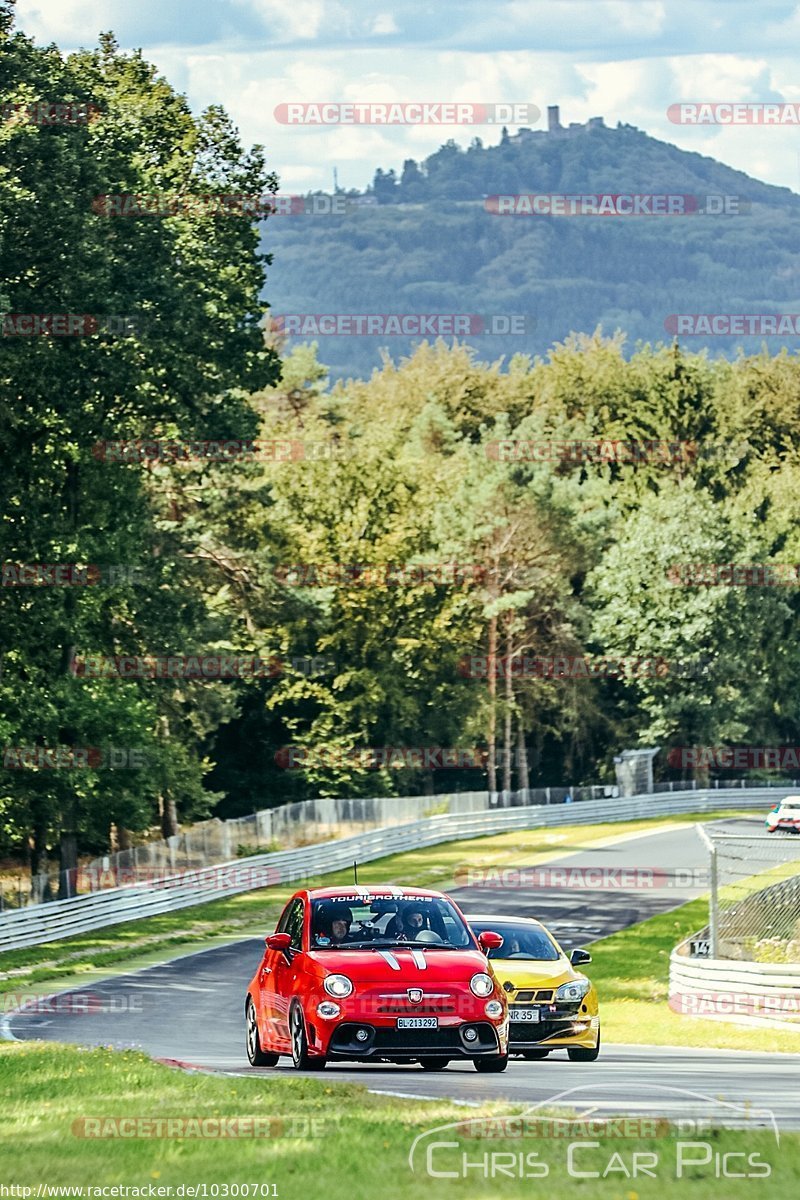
[(491, 1066), (535, 1054), (434, 1064), (303, 1061), (255, 1055)]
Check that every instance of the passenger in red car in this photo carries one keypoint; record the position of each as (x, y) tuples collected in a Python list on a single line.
[(413, 922)]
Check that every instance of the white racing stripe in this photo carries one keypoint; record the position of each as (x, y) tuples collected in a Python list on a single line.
[(420, 959), (390, 959)]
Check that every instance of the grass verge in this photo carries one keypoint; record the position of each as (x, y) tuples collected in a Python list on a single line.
[(342, 1143)]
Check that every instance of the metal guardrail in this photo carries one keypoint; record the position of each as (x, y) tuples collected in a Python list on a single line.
[(44, 923), (749, 993)]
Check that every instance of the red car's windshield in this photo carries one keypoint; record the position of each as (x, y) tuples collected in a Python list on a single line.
[(354, 923)]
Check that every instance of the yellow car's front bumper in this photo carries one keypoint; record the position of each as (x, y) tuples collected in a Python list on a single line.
[(549, 1022), (553, 1031)]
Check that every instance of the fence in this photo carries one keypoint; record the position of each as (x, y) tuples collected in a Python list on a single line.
[(306, 822), (303, 823), (754, 908), (37, 924)]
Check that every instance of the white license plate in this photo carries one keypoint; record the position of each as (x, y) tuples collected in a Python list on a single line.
[(524, 1014), (417, 1022)]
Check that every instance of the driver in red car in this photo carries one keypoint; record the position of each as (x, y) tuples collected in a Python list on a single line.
[(334, 925)]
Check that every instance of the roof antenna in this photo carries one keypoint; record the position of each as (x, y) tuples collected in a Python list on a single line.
[(355, 873)]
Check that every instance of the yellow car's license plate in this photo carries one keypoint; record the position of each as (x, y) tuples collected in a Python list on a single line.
[(523, 1014)]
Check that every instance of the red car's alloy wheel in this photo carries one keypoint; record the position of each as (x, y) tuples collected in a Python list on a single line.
[(255, 1055), (301, 1058)]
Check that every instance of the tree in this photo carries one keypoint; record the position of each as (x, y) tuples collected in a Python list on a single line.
[(171, 347)]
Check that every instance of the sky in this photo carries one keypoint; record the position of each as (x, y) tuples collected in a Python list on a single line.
[(624, 60)]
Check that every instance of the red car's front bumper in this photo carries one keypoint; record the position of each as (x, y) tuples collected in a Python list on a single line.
[(466, 1039), (360, 1031)]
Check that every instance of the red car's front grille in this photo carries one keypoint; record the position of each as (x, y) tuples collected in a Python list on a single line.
[(431, 1002)]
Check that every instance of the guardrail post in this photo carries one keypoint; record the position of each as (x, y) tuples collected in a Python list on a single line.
[(713, 910)]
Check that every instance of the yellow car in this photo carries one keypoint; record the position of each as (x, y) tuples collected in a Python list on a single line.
[(551, 1006)]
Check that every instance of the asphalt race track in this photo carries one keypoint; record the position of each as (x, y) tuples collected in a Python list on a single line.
[(190, 1010)]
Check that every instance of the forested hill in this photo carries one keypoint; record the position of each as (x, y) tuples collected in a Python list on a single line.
[(430, 245)]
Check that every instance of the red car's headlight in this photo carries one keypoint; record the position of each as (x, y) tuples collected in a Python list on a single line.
[(481, 984), (338, 986)]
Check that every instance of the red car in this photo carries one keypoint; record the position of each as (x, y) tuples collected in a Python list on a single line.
[(376, 973)]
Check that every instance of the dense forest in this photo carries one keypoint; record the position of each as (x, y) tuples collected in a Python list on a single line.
[(356, 543)]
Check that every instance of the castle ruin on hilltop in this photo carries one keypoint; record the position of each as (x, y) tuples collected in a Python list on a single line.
[(556, 129)]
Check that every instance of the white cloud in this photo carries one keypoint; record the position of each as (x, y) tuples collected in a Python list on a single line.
[(625, 60), (384, 23), (67, 22), (288, 21)]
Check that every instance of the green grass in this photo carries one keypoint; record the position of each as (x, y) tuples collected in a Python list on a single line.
[(143, 941), (337, 1142)]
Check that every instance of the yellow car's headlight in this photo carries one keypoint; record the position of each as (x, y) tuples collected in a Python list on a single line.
[(576, 989)]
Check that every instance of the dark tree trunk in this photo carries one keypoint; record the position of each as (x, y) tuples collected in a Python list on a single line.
[(522, 756), (492, 734), (169, 817)]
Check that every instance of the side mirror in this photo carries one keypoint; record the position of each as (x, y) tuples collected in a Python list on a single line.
[(278, 941), (579, 957), (489, 940)]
